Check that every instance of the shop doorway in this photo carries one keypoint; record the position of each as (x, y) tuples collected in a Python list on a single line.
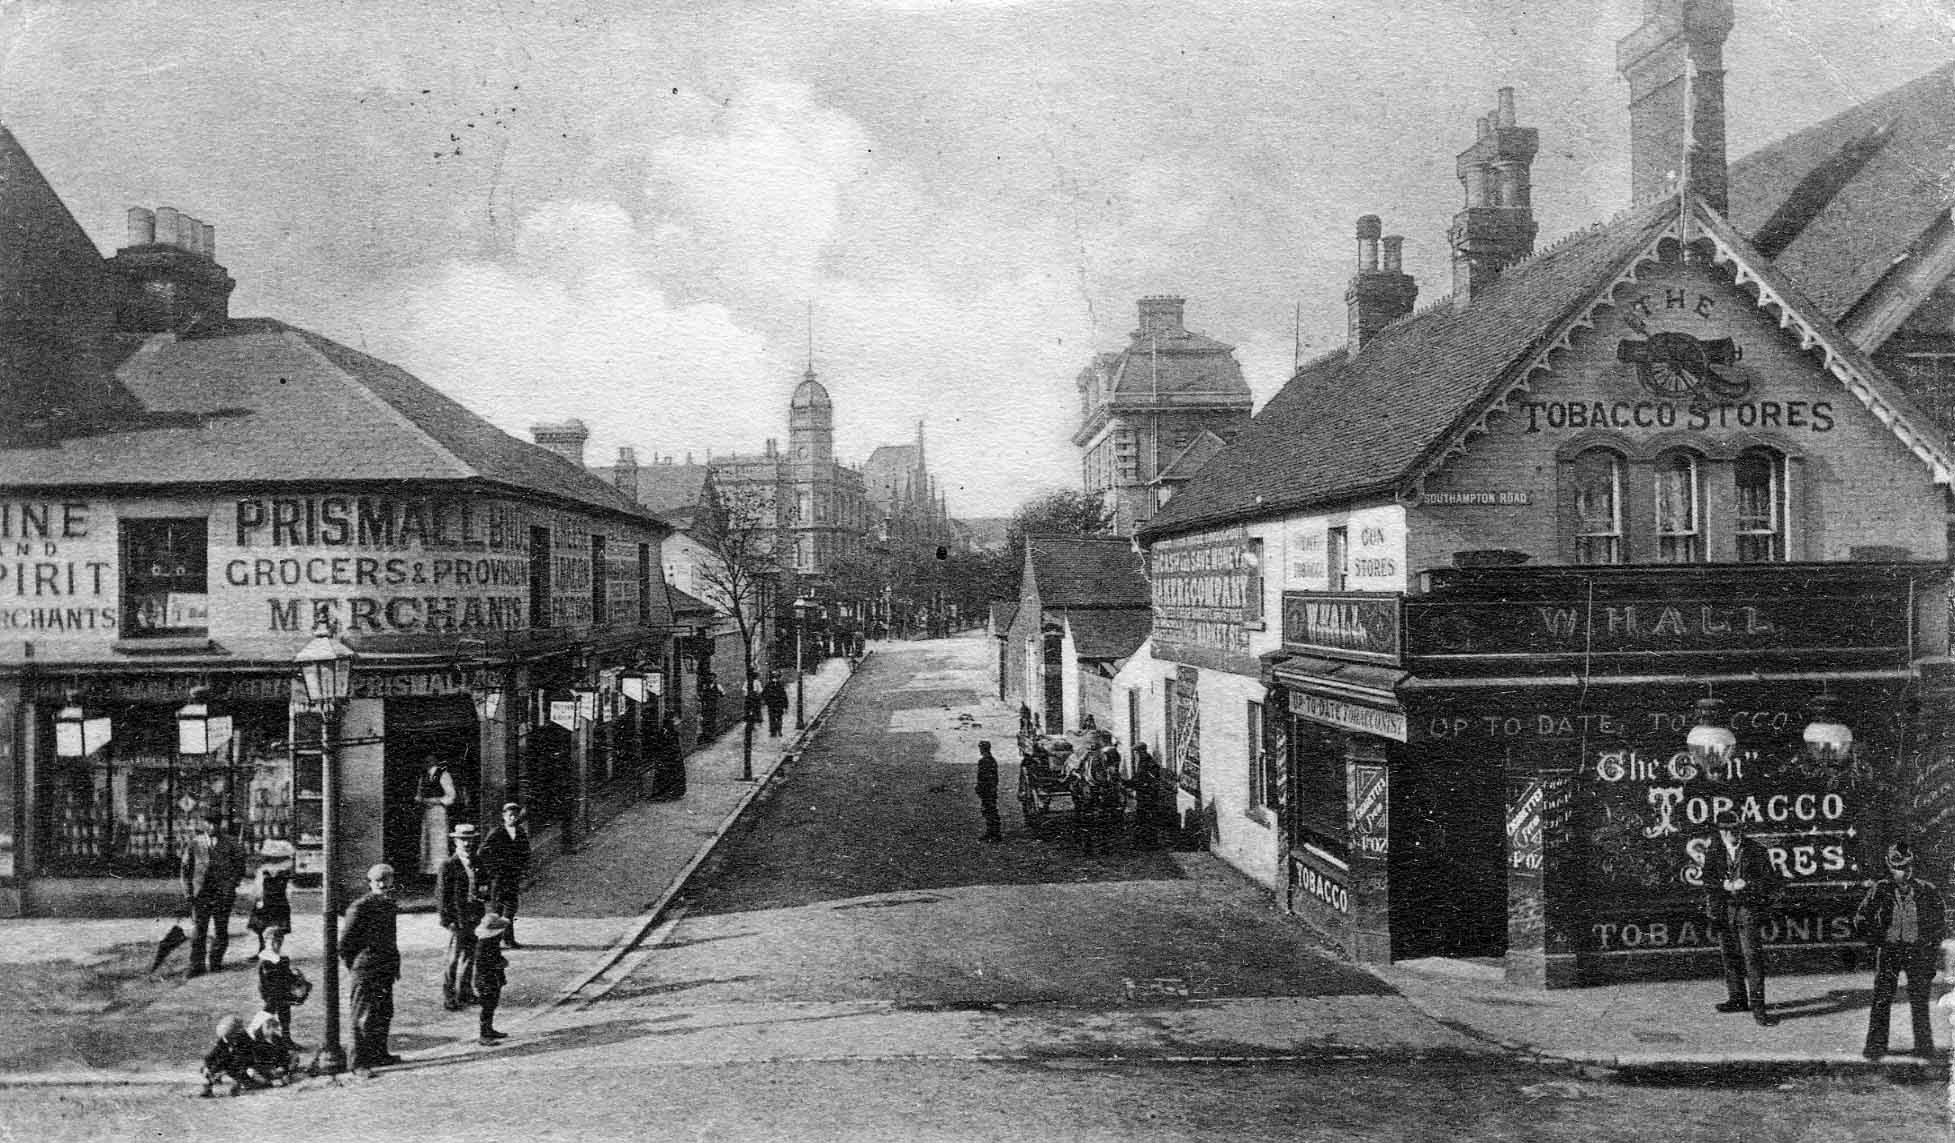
[(422, 731), (1448, 861)]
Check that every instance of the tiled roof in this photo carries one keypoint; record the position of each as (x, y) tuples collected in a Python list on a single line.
[(685, 603), (1109, 633), (258, 400), (665, 488), (1180, 364), (1080, 571), (1849, 196), (1344, 427)]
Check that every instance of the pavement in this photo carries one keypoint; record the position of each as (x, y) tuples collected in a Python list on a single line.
[(81, 1008)]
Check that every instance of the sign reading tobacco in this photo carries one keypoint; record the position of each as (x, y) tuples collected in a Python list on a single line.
[(1345, 626)]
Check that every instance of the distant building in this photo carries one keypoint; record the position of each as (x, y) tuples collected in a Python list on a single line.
[(1145, 410), (1082, 609)]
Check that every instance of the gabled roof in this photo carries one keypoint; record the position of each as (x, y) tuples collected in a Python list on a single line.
[(1108, 633), (258, 400), (1086, 571), (1836, 205), (1344, 428), (1003, 613), (1190, 459), (664, 488), (685, 603)]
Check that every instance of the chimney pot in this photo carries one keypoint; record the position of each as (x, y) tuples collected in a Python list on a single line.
[(1394, 247), (166, 225), (566, 439), (1505, 108), (210, 242)]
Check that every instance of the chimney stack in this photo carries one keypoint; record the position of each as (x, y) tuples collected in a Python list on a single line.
[(1161, 316), (625, 474), (1497, 227), (1378, 294), (1675, 67), (171, 279), (565, 439)]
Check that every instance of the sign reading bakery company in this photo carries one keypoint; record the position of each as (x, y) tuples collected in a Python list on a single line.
[(1342, 625)]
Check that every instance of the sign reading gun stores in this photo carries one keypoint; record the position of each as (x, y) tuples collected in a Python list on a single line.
[(377, 564)]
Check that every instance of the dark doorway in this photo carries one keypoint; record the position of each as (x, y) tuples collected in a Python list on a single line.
[(1055, 682), (422, 731), (1448, 862)]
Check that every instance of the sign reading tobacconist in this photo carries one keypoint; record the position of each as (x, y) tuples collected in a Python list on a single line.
[(372, 563)]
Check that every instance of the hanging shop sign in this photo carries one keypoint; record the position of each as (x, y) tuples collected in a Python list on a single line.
[(564, 713), (1342, 625)]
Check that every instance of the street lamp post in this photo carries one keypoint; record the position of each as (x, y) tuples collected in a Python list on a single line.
[(326, 670)]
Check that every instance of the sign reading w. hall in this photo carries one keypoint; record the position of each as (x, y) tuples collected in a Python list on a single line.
[(1342, 625)]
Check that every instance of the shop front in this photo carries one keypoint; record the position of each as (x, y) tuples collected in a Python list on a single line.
[(1525, 764)]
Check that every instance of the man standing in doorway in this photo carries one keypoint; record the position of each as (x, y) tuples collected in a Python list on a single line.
[(462, 893), (369, 946), (212, 866), (775, 696), (1902, 917), (1740, 885), (505, 862), (987, 792)]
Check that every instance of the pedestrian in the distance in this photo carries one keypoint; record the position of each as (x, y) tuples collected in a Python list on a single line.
[(212, 866), (505, 862), (1740, 886), (272, 908), (462, 895), (987, 792), (1150, 803), (369, 947), (491, 973), (775, 696), (670, 781), (1903, 919), (710, 693)]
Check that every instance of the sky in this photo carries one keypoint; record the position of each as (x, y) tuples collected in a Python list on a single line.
[(633, 212)]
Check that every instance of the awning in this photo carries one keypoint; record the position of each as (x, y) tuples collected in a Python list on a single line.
[(1351, 696)]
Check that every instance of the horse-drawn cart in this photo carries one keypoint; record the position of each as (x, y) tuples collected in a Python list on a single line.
[(1054, 768)]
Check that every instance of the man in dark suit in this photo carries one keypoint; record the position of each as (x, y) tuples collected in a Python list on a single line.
[(1903, 918), (211, 867), (1740, 885), (370, 948), (987, 792), (462, 893), (505, 862), (774, 694)]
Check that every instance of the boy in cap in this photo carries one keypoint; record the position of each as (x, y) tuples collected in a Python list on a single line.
[(1739, 886), (463, 894), (505, 862), (369, 946), (491, 973), (1902, 917)]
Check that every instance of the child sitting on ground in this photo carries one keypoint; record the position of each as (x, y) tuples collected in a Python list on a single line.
[(231, 1061), (273, 1055), (491, 973)]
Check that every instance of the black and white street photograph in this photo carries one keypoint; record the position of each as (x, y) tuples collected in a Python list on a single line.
[(977, 570)]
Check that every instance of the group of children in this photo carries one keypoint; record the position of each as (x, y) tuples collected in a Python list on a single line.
[(262, 1053)]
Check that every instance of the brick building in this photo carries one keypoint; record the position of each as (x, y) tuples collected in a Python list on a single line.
[(188, 493), (1463, 642), (1153, 412)]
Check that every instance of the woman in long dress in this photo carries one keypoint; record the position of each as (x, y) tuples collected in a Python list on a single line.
[(436, 793)]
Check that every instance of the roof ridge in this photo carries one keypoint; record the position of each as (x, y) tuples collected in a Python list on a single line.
[(304, 339)]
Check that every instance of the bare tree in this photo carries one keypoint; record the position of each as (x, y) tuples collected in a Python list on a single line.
[(743, 570)]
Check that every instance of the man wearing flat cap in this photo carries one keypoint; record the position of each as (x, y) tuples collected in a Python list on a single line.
[(505, 862), (462, 892), (369, 946), (1740, 885), (1903, 919)]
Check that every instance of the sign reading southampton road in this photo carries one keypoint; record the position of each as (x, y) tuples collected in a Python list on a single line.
[(1341, 625)]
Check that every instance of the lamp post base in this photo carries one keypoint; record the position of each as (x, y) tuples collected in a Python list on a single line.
[(330, 1060)]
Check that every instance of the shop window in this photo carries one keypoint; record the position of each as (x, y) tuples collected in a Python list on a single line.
[(1679, 509), (1598, 507), (1762, 518), (127, 809), (539, 577), (1318, 797), (600, 582), (164, 585)]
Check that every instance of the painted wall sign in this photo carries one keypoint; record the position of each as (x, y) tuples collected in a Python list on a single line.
[(1322, 881), (1200, 586), (1342, 625), (1467, 498), (1524, 851), (57, 571), (1349, 715)]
